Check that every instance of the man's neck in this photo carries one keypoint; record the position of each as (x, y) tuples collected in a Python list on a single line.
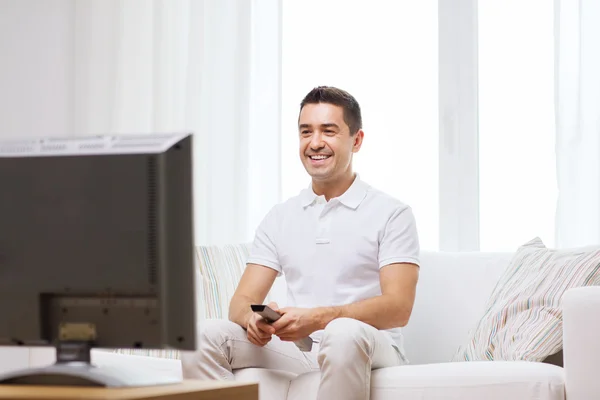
[(335, 188)]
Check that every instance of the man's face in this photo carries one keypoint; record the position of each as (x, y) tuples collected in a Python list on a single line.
[(326, 145)]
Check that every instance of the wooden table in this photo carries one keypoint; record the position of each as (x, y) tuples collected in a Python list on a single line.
[(187, 390)]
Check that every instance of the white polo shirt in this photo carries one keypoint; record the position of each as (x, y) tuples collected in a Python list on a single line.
[(330, 252)]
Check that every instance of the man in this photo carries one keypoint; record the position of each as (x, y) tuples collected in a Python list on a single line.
[(350, 257)]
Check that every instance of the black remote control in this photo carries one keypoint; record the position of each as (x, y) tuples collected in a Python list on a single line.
[(271, 316)]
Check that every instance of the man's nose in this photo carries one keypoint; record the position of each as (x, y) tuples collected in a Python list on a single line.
[(316, 141)]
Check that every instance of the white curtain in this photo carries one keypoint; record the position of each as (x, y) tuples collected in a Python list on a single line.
[(577, 122), (207, 66)]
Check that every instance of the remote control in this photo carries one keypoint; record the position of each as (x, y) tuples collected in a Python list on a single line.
[(271, 316), (266, 312)]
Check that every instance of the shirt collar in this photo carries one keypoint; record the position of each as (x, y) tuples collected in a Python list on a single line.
[(350, 198)]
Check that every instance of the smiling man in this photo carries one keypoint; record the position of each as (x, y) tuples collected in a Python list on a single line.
[(350, 257)]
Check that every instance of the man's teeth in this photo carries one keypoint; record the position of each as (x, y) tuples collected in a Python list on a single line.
[(318, 157)]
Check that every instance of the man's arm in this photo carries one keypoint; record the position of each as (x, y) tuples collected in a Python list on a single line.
[(390, 310), (254, 285), (262, 267)]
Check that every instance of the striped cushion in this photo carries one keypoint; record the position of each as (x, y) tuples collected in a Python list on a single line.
[(523, 317), (218, 271)]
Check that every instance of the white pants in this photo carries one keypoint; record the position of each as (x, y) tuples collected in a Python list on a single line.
[(348, 351)]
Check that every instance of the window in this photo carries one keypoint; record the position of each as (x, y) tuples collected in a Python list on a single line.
[(516, 123), (385, 54), (491, 185)]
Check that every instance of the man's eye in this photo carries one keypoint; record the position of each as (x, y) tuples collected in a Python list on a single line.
[(329, 131), (305, 132)]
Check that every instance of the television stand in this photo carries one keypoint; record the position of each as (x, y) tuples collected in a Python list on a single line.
[(73, 367)]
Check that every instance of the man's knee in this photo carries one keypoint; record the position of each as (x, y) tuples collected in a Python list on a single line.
[(217, 330), (211, 334), (343, 344), (344, 331)]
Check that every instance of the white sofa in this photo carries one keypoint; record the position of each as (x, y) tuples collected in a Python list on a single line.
[(452, 292)]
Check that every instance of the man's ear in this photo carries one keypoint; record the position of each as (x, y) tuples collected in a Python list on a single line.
[(358, 140)]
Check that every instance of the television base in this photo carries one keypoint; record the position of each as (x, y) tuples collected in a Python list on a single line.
[(74, 368)]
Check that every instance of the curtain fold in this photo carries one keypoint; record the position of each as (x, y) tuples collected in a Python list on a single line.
[(211, 67), (577, 66)]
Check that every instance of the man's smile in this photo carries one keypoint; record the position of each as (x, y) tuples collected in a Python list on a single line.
[(319, 159)]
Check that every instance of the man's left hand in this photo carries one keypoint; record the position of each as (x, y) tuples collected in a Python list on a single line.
[(296, 323)]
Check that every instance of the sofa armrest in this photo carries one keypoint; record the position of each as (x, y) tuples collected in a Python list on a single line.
[(581, 342)]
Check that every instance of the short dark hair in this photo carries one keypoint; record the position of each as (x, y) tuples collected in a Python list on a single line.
[(338, 97)]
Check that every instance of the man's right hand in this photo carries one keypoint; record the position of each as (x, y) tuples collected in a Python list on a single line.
[(259, 331)]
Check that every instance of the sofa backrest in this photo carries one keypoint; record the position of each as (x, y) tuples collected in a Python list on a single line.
[(451, 294)]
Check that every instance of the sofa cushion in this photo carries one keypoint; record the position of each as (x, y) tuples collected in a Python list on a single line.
[(523, 316), (490, 380), (218, 271), (451, 295)]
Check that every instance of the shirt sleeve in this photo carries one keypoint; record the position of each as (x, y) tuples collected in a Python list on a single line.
[(263, 250), (400, 240)]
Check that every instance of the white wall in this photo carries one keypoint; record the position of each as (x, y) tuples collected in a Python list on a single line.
[(36, 67)]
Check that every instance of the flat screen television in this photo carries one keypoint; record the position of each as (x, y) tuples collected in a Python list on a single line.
[(96, 251)]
